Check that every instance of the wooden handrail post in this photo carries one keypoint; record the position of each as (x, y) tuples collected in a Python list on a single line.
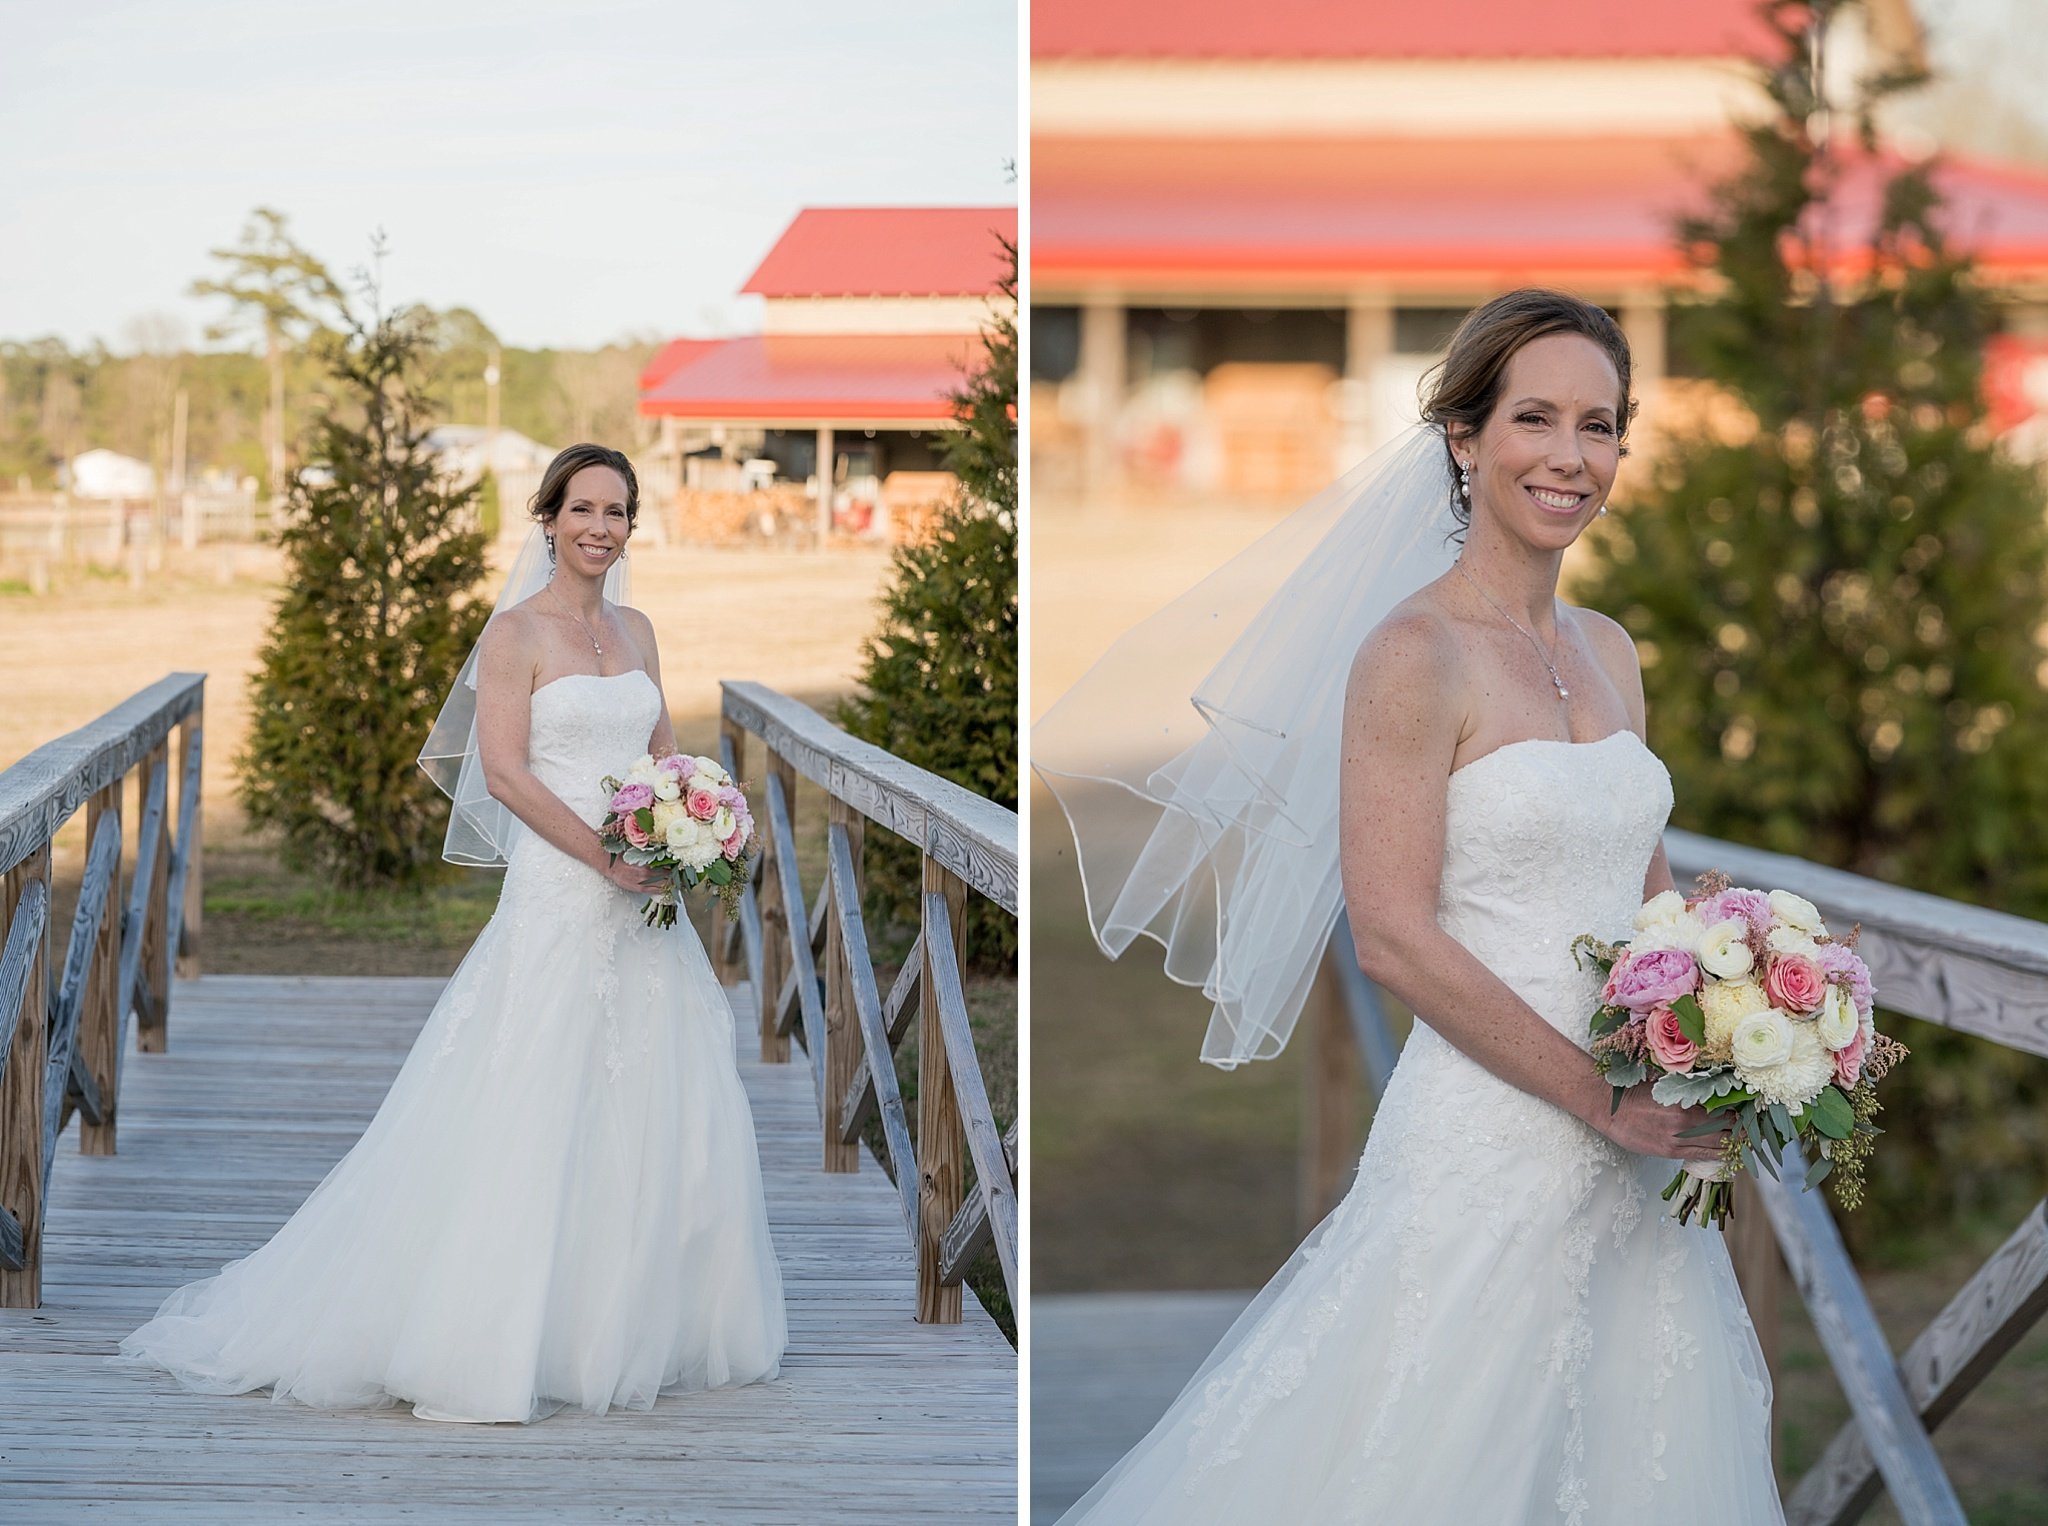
[(843, 1044), (1753, 1248), (727, 957), (99, 1024), (941, 1137), (1335, 1085), (21, 1094), (186, 953), (153, 990), (776, 954)]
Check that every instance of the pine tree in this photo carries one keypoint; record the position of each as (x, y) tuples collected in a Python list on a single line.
[(1840, 613), (382, 563), (939, 675)]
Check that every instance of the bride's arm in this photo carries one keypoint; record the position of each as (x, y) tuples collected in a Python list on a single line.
[(663, 740), (505, 672), (1400, 734)]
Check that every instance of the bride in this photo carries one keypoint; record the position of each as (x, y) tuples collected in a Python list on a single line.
[(558, 1202), (1499, 1323)]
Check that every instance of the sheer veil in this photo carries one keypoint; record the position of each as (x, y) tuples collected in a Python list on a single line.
[(481, 831), (1197, 761)]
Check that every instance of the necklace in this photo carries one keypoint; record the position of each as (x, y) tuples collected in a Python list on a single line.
[(1556, 678), (579, 620)]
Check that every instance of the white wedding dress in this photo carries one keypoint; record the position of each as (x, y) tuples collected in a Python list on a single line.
[(558, 1202), (1499, 1324)]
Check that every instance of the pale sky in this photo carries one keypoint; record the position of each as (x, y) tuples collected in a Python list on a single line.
[(573, 172)]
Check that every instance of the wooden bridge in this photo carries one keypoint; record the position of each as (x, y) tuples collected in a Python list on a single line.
[(231, 1113), (1106, 1366)]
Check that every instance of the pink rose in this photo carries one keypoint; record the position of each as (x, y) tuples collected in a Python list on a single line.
[(1794, 983), (1667, 1042), (631, 827), (703, 803), (632, 797), (1849, 1060), (1654, 979), (732, 846)]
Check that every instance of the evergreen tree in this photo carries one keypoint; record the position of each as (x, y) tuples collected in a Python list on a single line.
[(939, 676), (382, 563), (1839, 605)]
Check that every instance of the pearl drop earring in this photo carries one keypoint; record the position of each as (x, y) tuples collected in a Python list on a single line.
[(1465, 480)]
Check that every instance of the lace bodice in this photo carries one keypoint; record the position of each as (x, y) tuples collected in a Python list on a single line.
[(585, 726), (1543, 841)]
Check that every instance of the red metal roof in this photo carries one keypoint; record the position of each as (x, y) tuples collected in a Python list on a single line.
[(822, 378), (887, 252), (1328, 29), (1251, 214), (671, 356)]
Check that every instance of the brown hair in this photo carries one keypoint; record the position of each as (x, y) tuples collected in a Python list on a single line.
[(554, 482), (1461, 391)]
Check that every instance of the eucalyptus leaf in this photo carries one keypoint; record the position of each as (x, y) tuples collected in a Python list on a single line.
[(1782, 1121), (1818, 1173)]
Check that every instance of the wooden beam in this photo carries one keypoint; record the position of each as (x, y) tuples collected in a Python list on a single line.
[(1965, 967), (152, 990), (100, 1023), (940, 1138), (41, 792), (102, 870), (896, 1014), (24, 1020), (188, 879), (973, 837), (1855, 1344), (726, 933), (802, 969), (868, 1033), (1753, 1250), (775, 934), (1998, 1305), (846, 966)]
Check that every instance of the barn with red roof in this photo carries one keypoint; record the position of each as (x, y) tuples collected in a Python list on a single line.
[(1253, 227), (869, 318)]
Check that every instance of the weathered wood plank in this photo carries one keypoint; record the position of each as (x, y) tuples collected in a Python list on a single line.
[(868, 1031), (1855, 1344), (40, 793), (802, 970), (973, 837), (777, 931), (2003, 1300), (1965, 967), (24, 1030), (102, 869), (941, 1173), (99, 1037)]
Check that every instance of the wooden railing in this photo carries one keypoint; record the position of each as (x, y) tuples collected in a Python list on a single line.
[(849, 1029), (1963, 967), (62, 1039)]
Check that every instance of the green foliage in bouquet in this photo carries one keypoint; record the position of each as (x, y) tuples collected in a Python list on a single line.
[(1838, 589), (938, 683), (379, 610)]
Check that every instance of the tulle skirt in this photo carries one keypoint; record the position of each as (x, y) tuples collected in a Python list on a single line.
[(557, 1204), (1499, 1324)]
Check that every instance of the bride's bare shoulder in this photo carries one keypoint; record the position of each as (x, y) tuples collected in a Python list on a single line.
[(1415, 648)]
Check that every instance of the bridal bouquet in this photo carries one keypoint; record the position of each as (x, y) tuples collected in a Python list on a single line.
[(686, 815), (1742, 1002)]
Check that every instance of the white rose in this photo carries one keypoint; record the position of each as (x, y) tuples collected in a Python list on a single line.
[(722, 823), (1761, 1040), (1724, 950), (1839, 1021), (1791, 940), (665, 787), (1798, 911)]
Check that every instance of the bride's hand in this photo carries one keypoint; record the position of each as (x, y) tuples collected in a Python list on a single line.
[(639, 879), (1648, 1127)]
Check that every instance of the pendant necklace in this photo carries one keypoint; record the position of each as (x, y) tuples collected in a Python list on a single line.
[(1556, 678), (586, 625)]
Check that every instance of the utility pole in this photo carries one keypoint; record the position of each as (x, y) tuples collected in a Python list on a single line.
[(188, 519)]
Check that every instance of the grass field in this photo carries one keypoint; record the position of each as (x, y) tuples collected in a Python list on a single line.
[(1153, 1171)]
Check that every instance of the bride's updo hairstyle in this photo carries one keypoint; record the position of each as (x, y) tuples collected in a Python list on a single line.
[(1461, 392), (554, 482)]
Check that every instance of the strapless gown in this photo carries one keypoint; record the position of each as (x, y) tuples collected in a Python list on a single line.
[(558, 1202), (1499, 1324)]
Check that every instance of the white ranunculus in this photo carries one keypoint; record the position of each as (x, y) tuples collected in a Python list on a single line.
[(722, 822), (665, 787), (1784, 939), (711, 771), (1663, 922), (1762, 1039), (681, 832), (1839, 1020), (1798, 1078), (1724, 950), (1797, 911), (1661, 907), (642, 772)]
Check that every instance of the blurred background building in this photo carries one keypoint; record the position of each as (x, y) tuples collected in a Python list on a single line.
[(827, 418), (1254, 228)]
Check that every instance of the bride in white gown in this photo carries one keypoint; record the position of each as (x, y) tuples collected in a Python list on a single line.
[(558, 1202), (1498, 1324)]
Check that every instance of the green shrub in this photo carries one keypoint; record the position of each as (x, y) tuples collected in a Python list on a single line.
[(378, 613), (1838, 618)]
